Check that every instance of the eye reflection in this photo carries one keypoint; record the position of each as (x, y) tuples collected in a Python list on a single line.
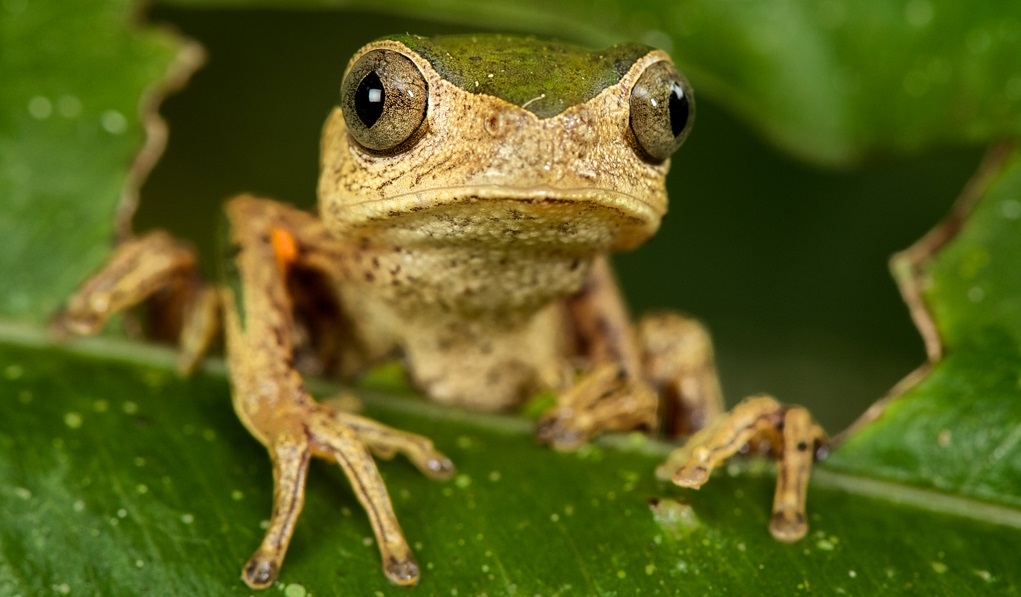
[(662, 109), (679, 109), (369, 99)]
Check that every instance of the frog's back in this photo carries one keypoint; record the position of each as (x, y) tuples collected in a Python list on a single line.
[(521, 70)]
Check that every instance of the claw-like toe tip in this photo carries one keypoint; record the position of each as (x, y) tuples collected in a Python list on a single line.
[(65, 324), (691, 476), (561, 437), (440, 467), (788, 526), (260, 573), (545, 429), (402, 572)]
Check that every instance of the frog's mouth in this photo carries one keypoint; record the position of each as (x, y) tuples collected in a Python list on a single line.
[(587, 219)]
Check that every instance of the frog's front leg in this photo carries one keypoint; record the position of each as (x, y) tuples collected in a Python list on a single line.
[(659, 373), (154, 267), (270, 397), (764, 425)]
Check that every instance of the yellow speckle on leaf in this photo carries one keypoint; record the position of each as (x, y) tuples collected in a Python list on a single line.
[(40, 107), (918, 13), (114, 122), (13, 372), (1011, 208), (73, 420)]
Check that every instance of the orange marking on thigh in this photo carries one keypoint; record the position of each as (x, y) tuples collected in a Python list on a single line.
[(284, 248)]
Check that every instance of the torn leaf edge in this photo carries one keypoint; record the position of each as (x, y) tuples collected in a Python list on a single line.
[(910, 270)]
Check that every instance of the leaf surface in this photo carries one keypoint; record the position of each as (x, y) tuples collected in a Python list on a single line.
[(120, 478), (78, 99), (959, 428)]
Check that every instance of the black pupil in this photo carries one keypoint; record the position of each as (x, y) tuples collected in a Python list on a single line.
[(678, 108), (370, 96)]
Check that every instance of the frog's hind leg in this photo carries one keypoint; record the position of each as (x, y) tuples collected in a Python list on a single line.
[(659, 374), (154, 267), (611, 394), (677, 359), (270, 398)]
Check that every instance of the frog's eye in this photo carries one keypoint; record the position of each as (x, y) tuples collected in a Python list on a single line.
[(383, 98), (662, 110)]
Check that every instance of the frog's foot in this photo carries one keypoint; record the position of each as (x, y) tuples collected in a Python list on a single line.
[(311, 430), (760, 423), (153, 267), (605, 399)]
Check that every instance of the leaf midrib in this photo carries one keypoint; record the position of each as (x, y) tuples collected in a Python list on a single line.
[(133, 353)]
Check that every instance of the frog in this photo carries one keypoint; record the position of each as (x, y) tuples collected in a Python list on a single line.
[(471, 188)]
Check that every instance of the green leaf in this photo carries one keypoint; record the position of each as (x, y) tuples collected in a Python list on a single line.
[(959, 428), (828, 80), (120, 478), (77, 104)]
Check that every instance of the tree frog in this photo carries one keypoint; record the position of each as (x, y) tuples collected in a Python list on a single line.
[(470, 189)]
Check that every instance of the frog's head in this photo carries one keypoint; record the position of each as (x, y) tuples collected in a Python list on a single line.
[(502, 140)]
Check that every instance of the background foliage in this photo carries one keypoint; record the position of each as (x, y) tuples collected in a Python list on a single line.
[(107, 453)]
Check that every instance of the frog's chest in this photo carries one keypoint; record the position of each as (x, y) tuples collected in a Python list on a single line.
[(487, 363), (482, 329)]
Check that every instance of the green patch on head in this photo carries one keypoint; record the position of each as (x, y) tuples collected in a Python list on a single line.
[(544, 77)]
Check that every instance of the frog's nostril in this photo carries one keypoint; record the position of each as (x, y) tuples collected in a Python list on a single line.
[(493, 126)]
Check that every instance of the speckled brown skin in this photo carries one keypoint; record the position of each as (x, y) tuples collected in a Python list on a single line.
[(478, 252)]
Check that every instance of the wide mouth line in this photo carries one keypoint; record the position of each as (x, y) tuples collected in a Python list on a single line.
[(511, 193)]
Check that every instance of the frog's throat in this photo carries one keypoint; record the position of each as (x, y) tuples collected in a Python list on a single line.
[(619, 220)]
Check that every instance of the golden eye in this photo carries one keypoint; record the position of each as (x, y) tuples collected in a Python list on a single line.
[(662, 110), (383, 98)]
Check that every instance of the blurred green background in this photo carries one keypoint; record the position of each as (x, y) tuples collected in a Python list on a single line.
[(786, 263)]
